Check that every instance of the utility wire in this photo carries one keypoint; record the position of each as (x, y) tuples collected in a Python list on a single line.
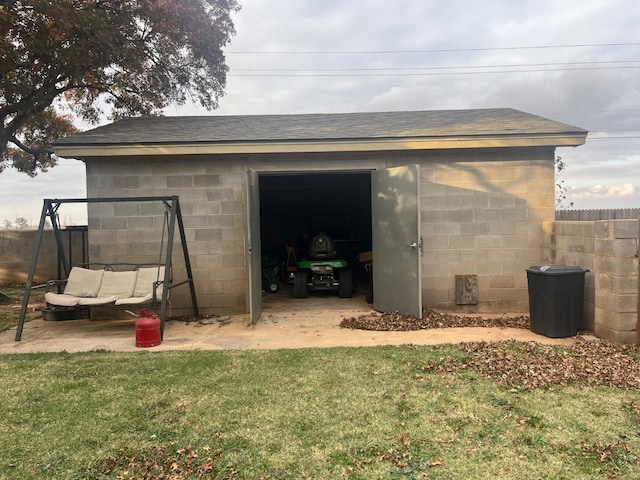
[(426, 74), (391, 69), (438, 50)]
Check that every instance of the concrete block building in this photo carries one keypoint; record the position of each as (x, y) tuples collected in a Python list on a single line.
[(450, 203)]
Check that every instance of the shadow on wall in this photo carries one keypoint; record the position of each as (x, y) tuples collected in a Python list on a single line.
[(483, 219)]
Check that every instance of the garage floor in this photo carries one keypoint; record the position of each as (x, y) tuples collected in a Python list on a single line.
[(285, 323)]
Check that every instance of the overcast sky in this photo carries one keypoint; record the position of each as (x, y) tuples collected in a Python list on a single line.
[(577, 62)]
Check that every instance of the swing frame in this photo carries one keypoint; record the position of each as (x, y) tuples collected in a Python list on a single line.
[(172, 208)]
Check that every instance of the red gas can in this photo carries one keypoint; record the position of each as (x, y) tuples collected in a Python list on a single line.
[(147, 329)]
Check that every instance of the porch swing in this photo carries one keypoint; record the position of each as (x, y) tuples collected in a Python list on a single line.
[(103, 287)]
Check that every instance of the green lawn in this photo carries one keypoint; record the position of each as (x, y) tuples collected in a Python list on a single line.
[(344, 413)]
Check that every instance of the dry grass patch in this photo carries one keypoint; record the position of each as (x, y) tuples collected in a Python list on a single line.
[(10, 308)]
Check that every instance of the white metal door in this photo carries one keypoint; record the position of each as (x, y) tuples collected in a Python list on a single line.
[(396, 240), (254, 263)]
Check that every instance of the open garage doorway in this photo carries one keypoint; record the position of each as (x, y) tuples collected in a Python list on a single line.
[(363, 211), (295, 207)]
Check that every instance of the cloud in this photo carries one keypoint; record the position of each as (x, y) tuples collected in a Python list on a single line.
[(22, 196), (604, 196), (605, 191), (407, 34)]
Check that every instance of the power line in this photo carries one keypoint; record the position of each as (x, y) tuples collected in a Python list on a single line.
[(426, 74), (391, 69), (438, 50)]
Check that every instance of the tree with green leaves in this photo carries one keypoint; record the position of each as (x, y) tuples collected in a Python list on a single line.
[(62, 60)]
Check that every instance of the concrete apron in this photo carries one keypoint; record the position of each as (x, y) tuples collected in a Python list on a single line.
[(284, 323)]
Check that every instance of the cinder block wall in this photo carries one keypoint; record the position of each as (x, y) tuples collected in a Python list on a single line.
[(609, 250), (212, 204), (16, 250), (481, 215)]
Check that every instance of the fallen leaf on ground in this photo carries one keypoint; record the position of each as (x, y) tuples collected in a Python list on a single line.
[(532, 365), (396, 321)]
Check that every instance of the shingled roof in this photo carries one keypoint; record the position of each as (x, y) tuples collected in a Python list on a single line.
[(374, 127)]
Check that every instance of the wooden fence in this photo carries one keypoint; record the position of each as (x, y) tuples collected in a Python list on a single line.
[(595, 215)]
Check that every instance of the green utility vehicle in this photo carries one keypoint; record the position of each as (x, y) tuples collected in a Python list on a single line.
[(322, 270)]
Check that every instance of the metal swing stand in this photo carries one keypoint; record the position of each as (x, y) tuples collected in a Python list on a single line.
[(171, 204)]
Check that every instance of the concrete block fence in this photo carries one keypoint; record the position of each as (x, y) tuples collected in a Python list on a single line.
[(16, 250), (609, 250)]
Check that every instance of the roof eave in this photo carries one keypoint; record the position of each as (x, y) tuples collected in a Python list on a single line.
[(570, 139)]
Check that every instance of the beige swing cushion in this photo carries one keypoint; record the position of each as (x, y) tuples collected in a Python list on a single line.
[(143, 290), (83, 282), (86, 287)]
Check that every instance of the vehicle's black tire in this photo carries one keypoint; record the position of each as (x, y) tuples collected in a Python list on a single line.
[(369, 296), (345, 284), (300, 288)]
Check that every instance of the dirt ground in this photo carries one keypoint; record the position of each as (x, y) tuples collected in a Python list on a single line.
[(314, 322)]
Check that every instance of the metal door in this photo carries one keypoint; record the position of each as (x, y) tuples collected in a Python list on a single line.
[(254, 262), (396, 240)]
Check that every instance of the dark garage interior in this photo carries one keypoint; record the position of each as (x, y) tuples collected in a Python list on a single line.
[(296, 206)]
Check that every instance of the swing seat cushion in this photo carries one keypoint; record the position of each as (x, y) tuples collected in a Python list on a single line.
[(134, 300), (61, 299), (114, 285), (88, 302), (87, 287), (117, 284), (143, 290), (83, 282), (144, 282)]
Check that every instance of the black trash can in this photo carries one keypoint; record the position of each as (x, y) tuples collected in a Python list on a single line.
[(556, 299)]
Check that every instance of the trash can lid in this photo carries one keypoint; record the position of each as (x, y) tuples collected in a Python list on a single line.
[(556, 269)]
